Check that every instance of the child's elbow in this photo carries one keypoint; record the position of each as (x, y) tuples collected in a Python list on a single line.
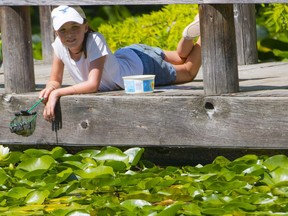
[(94, 89)]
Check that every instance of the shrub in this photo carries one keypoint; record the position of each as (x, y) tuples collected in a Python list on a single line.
[(162, 28), (272, 23)]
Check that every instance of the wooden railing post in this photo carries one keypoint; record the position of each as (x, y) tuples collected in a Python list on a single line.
[(47, 34), (17, 49), (246, 36), (219, 53)]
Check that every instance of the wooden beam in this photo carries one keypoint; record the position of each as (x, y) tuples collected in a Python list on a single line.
[(133, 2), (195, 121), (246, 35), (219, 53), (47, 33), (17, 49)]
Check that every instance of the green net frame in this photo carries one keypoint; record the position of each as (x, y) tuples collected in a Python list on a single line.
[(24, 122)]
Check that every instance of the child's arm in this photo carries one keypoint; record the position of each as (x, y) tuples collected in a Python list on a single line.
[(89, 86), (55, 80)]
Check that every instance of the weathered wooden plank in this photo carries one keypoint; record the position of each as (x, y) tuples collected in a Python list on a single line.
[(133, 2), (246, 36), (243, 1), (219, 49), (47, 33), (155, 120), (17, 49)]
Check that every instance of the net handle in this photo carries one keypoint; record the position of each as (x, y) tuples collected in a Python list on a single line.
[(36, 104)]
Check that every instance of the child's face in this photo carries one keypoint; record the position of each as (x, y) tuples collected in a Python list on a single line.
[(72, 34)]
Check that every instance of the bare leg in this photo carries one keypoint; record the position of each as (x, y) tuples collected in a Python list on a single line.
[(184, 47), (183, 50), (186, 60), (188, 71)]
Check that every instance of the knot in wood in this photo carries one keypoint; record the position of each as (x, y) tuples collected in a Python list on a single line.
[(84, 124)]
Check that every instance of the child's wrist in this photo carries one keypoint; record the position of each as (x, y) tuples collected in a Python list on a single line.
[(51, 85)]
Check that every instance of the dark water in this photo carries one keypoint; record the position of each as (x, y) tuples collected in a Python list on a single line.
[(169, 156)]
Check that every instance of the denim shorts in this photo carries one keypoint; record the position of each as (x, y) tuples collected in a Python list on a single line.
[(154, 63)]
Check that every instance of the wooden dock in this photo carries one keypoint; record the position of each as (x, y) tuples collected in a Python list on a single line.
[(180, 115)]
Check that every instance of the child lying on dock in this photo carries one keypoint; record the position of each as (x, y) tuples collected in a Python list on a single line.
[(94, 67)]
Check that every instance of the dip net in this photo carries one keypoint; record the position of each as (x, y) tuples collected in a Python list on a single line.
[(24, 122)]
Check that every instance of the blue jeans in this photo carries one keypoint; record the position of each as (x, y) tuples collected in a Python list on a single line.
[(153, 63)]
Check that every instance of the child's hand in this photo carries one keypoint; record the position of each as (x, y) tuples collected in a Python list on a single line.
[(48, 113), (45, 94)]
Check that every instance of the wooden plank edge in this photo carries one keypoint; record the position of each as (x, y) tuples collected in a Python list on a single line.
[(162, 121), (126, 2)]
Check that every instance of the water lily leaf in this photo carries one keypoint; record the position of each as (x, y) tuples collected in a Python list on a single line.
[(279, 175), (34, 173), (151, 183), (18, 192), (30, 164), (213, 211), (95, 172), (88, 153), (249, 159), (89, 162), (78, 213), (20, 173), (171, 210), (36, 152), (222, 161), (280, 191), (59, 177), (117, 166), (37, 197), (111, 153), (276, 161), (113, 157), (239, 167), (255, 170), (74, 164), (13, 157), (3, 176), (25, 210), (65, 190), (240, 205), (213, 199), (191, 209), (134, 203), (58, 152), (210, 168), (134, 155), (69, 157), (224, 185)]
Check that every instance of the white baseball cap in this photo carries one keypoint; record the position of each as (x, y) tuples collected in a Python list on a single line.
[(63, 14)]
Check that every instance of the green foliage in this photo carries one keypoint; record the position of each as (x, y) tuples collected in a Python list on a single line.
[(273, 32), (37, 47), (276, 17), (100, 15), (110, 181), (162, 28)]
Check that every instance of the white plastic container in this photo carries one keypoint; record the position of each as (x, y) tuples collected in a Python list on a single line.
[(139, 84)]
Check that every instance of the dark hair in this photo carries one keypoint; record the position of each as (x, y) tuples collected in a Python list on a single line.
[(84, 45)]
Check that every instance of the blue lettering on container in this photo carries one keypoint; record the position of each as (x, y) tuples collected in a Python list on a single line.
[(129, 86), (148, 85)]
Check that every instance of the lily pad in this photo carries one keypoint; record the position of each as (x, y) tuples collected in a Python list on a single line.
[(31, 164)]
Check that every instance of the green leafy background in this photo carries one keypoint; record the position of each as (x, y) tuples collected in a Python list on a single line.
[(162, 26), (110, 181)]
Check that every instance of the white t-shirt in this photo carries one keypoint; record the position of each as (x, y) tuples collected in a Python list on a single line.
[(124, 62)]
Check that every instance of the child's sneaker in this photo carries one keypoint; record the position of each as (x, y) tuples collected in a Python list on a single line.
[(192, 30)]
